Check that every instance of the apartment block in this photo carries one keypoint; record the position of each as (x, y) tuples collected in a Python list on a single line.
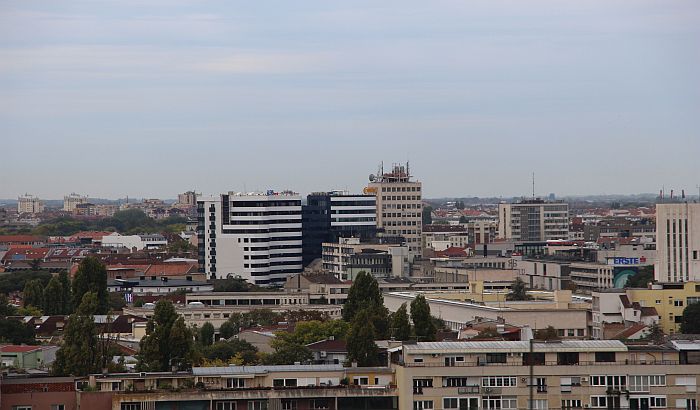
[(533, 220), (349, 256), (399, 205), (257, 237), (29, 204), (678, 242), (72, 200)]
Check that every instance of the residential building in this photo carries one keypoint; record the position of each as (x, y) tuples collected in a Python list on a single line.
[(257, 237), (328, 216), (399, 205), (29, 204), (187, 199), (27, 357), (350, 256), (568, 374), (677, 242), (533, 220), (440, 237), (161, 286), (329, 351), (70, 201), (667, 299), (131, 242)]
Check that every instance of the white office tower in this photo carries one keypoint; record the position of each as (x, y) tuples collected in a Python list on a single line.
[(677, 242), (253, 236)]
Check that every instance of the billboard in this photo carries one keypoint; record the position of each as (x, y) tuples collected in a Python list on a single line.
[(621, 274)]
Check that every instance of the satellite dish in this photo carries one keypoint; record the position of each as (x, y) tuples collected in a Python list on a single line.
[(372, 177)]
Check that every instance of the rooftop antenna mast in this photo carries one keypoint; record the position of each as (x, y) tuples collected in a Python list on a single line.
[(533, 185)]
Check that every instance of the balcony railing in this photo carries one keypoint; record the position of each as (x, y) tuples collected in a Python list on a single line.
[(549, 363)]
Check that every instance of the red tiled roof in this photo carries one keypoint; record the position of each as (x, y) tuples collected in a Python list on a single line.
[(25, 253), (18, 348), (649, 311), (21, 238), (328, 346), (630, 331), (451, 252), (171, 268)]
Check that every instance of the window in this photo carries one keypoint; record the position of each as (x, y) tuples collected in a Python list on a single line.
[(126, 406), (455, 382), (604, 357), (422, 405), (23, 407), (496, 357), (360, 381), (319, 404), (417, 360), (469, 403), (284, 383), (616, 382), (226, 405), (678, 303), (540, 404), (288, 404), (642, 383), (499, 381), (257, 405), (599, 401), (498, 402), (235, 383), (422, 382), (58, 407), (571, 404)]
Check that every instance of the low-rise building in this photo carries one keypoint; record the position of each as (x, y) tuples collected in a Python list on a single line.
[(27, 357), (138, 242), (350, 256)]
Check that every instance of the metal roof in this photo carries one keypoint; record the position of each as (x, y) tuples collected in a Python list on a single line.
[(515, 346), (686, 344), (233, 370)]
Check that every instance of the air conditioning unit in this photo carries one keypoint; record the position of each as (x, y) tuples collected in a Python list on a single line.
[(487, 390), (324, 354), (434, 355), (584, 379)]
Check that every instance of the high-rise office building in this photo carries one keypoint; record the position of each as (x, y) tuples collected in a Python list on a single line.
[(73, 200), (253, 236), (328, 216), (533, 220), (677, 242), (29, 204), (399, 205)]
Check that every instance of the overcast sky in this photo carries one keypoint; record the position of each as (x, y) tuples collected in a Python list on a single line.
[(152, 98)]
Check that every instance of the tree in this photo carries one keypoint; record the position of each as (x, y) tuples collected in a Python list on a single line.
[(227, 350), (17, 280), (6, 309), (227, 329), (642, 278), (361, 346), (314, 331), (206, 334), (288, 353), (92, 277), (463, 219), (15, 332), (423, 324), (548, 333), (656, 334), (67, 297), (35, 264), (53, 303), (33, 294), (80, 353), (518, 291), (400, 325), (167, 342), (364, 292), (690, 323)]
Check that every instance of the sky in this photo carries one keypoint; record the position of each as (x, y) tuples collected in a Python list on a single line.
[(151, 98)]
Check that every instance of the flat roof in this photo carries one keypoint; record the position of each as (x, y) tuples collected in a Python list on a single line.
[(515, 346), (226, 370)]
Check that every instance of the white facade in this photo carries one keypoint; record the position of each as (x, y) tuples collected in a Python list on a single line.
[(72, 200), (533, 220), (138, 242), (29, 204), (353, 211), (677, 242), (253, 236)]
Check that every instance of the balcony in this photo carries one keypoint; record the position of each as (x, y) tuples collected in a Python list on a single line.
[(474, 389)]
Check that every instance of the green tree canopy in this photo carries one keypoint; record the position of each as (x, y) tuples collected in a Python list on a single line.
[(92, 277), (227, 329), (33, 293), (18, 280), (167, 342), (314, 331), (427, 215), (690, 323), (16, 332), (5, 308), (227, 350), (400, 324), (423, 324), (53, 303), (360, 341), (363, 292), (518, 291), (206, 334), (67, 296), (80, 353), (548, 333)]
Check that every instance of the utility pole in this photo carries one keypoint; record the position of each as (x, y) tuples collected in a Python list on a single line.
[(531, 385)]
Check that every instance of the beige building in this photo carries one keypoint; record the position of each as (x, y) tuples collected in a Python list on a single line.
[(569, 317), (533, 220), (567, 374), (399, 205), (678, 242), (29, 204), (71, 201)]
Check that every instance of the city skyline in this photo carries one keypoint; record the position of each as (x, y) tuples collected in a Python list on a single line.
[(596, 97)]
